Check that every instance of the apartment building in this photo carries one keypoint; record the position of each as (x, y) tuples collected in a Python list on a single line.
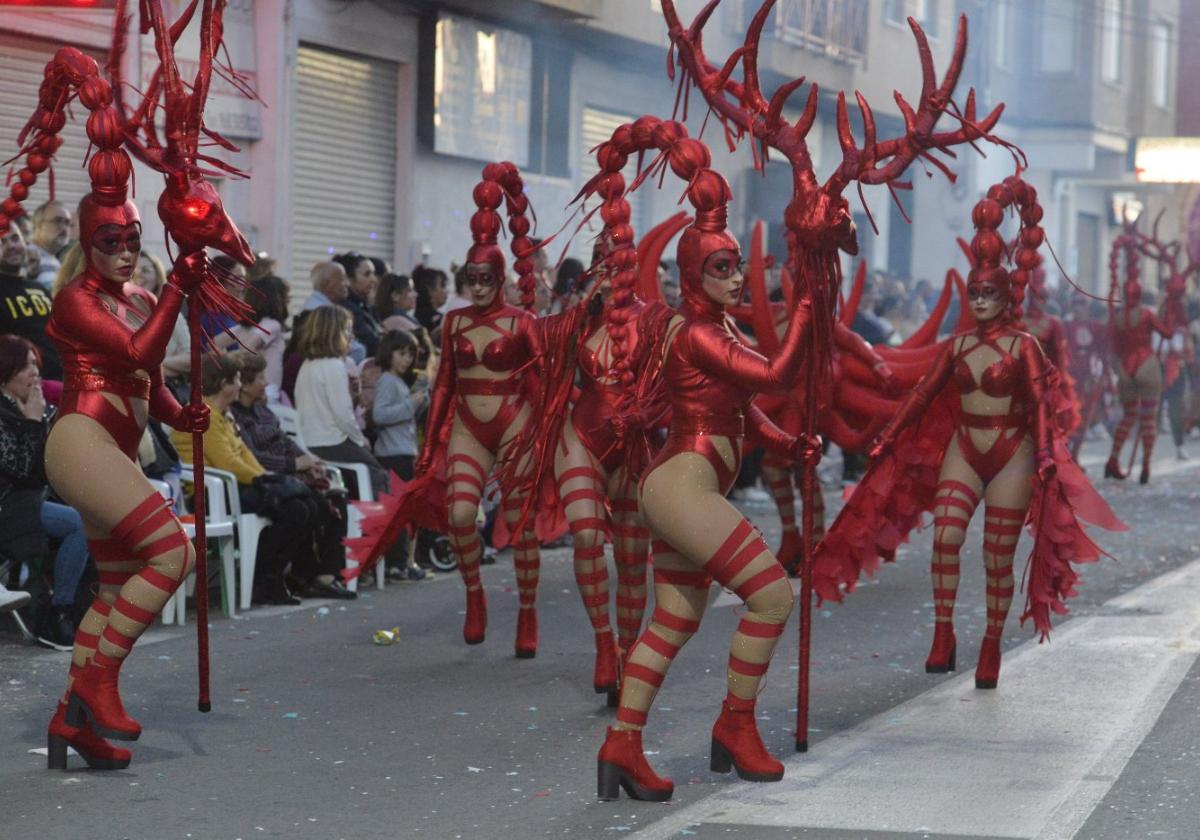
[(377, 116)]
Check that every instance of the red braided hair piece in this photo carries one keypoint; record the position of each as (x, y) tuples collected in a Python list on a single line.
[(502, 182), (988, 248)]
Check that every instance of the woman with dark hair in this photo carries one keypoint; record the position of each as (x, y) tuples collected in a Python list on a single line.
[(27, 518), (360, 270), (394, 303), (263, 332), (432, 291)]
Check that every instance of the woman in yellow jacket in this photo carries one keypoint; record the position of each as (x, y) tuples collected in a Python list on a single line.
[(283, 499)]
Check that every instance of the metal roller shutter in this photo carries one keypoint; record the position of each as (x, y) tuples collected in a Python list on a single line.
[(345, 160), (22, 62)]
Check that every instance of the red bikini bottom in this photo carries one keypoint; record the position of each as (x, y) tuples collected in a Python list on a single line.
[(490, 433), (988, 464), (695, 434)]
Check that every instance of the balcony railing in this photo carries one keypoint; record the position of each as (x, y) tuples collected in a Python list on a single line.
[(837, 28)]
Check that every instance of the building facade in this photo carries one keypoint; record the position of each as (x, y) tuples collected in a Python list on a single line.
[(378, 116)]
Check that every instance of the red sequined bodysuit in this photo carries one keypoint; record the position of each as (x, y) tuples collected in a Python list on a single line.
[(108, 337), (599, 395), (712, 379), (512, 351), (1131, 341)]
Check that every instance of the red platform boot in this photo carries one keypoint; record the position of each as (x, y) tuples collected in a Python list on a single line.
[(527, 633), (791, 550), (942, 655), (987, 672), (604, 676), (623, 763), (736, 745), (1112, 469), (475, 625), (95, 701), (98, 753)]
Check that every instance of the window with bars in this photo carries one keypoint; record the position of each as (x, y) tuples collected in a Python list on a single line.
[(1110, 41), (837, 28)]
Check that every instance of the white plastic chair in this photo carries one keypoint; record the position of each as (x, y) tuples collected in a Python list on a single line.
[(249, 526), (219, 526)]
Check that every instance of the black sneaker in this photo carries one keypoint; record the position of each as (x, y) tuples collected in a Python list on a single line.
[(414, 573)]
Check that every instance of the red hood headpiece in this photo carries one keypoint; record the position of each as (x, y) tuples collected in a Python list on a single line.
[(502, 182), (709, 193), (988, 248)]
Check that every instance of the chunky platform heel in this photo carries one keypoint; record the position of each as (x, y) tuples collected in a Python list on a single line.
[(622, 764), (527, 633), (943, 653), (94, 750), (987, 672), (737, 745), (95, 702)]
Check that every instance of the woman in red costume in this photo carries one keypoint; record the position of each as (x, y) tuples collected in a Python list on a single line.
[(112, 336), (1139, 371), (1052, 335), (479, 403), (710, 380), (981, 426)]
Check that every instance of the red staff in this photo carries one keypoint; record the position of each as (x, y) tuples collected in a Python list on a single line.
[(818, 219)]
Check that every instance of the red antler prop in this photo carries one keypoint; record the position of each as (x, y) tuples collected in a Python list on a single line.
[(818, 218)]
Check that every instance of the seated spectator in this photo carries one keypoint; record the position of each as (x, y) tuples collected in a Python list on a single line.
[(264, 334), (359, 300), (24, 304), (72, 266), (218, 325), (27, 518), (285, 503), (278, 453), (331, 286), (395, 300), (432, 292), (51, 235), (456, 300), (323, 394), (401, 395)]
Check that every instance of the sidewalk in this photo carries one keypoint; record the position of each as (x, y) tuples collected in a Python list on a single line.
[(1029, 760)]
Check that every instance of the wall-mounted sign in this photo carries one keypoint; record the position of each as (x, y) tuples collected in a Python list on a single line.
[(1167, 160)]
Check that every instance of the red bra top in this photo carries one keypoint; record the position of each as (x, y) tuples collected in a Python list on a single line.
[(999, 379), (507, 352)]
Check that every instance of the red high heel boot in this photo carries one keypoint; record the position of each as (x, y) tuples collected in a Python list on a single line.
[(736, 744), (1112, 469), (1144, 478), (95, 701), (98, 753), (945, 647), (604, 677), (987, 672), (791, 549), (622, 763), (527, 633), (475, 625)]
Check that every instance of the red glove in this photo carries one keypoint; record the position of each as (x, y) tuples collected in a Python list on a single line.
[(192, 418), (807, 449), (189, 271)]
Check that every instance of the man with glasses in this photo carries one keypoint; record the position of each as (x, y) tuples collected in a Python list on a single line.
[(51, 235)]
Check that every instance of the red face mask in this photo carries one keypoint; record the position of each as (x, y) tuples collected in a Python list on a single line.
[(989, 292), (483, 279), (724, 266), (113, 239)]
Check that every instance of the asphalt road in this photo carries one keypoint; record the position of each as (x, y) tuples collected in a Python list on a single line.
[(318, 733)]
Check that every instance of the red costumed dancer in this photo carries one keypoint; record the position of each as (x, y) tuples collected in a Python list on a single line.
[(1139, 371), (112, 336), (480, 400), (982, 425), (710, 380)]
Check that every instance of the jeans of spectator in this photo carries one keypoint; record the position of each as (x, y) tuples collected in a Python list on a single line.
[(401, 465), (349, 452), (1173, 397), (62, 523)]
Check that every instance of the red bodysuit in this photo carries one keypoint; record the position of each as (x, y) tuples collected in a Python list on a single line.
[(712, 379), (100, 358), (599, 396), (1132, 341), (511, 352)]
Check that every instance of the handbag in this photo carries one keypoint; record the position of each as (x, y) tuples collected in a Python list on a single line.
[(270, 491)]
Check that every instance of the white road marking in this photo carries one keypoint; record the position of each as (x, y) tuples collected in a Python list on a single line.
[(1029, 760)]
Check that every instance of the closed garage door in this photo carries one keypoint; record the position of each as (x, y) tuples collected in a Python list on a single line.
[(22, 62), (345, 160)]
